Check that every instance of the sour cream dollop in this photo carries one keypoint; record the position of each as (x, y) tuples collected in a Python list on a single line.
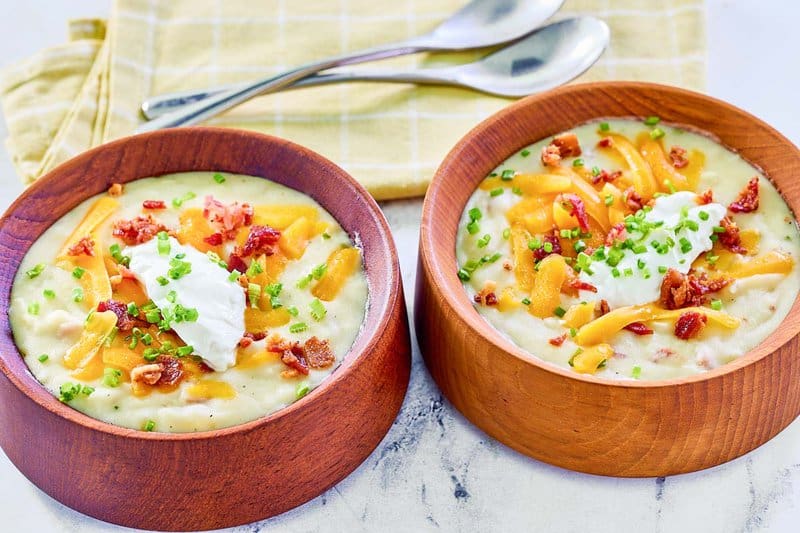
[(220, 303), (683, 234)]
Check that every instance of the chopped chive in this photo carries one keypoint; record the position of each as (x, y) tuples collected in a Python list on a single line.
[(604, 126), (526, 301), (254, 294), (150, 354), (559, 311), (319, 270), (578, 162), (184, 351), (716, 305), (711, 259), (595, 171), (254, 269), (111, 377), (573, 332), (548, 247), (172, 296), (668, 184), (662, 269), (506, 233), (615, 272), (152, 316), (43, 358), (640, 264), (652, 120), (525, 153), (133, 309), (49, 294), (177, 202), (517, 191), (475, 214), (473, 227), (628, 272), (163, 243), (318, 310), (78, 272), (636, 372), (483, 241), (579, 246), (219, 178), (507, 175), (35, 271), (718, 229), (162, 280), (234, 275), (639, 248), (703, 215), (575, 354), (147, 339), (463, 275), (656, 133), (565, 233), (292, 311), (608, 200), (686, 246), (301, 390), (148, 426), (298, 327), (535, 243), (496, 192), (77, 294)]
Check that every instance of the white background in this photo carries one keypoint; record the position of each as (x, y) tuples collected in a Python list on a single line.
[(432, 454)]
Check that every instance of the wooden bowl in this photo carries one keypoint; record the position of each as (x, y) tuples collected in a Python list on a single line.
[(585, 423), (229, 476)]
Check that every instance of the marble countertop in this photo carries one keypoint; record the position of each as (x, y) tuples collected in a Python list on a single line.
[(434, 470)]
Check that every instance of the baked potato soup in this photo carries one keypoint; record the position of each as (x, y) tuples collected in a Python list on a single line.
[(188, 302), (629, 249)]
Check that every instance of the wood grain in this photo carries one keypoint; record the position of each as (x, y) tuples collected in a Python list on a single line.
[(600, 426), (230, 476)]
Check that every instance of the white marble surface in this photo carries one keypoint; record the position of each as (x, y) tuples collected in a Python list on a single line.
[(434, 470)]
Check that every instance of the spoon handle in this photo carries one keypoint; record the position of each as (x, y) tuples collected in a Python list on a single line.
[(215, 104), (157, 106)]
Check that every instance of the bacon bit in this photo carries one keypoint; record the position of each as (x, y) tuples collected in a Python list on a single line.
[(171, 370), (125, 322), (606, 177), (486, 295), (747, 201), (605, 142), (540, 253), (681, 290), (318, 353), (507, 266), (84, 246), (678, 157), (706, 197), (616, 233), (236, 263), (576, 207), (149, 373), (604, 309), (662, 353), (558, 341), (138, 230), (632, 199), (639, 328), (126, 272), (116, 189), (205, 368), (227, 218), (690, 324), (260, 240), (293, 359), (215, 239), (564, 145), (154, 204), (245, 341), (256, 336), (730, 238)]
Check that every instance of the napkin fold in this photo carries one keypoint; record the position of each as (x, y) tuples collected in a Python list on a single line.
[(69, 98)]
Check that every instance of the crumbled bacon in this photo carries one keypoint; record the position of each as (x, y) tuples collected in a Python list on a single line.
[(116, 189), (605, 176), (632, 199), (689, 324), (227, 218), (149, 374), (580, 285), (84, 246), (293, 358), (678, 157), (576, 208), (687, 290), (486, 295), (137, 230), (604, 309), (245, 341), (125, 322), (747, 201), (605, 142), (171, 370), (540, 253), (705, 198), (256, 336), (154, 204), (236, 263), (261, 240), (558, 341), (731, 238), (616, 233), (318, 353), (639, 328), (215, 239), (563, 145)]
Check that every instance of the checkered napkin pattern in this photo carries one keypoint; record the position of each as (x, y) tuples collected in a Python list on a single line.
[(390, 137)]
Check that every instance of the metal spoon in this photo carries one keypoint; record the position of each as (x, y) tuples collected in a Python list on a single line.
[(549, 57), (479, 24)]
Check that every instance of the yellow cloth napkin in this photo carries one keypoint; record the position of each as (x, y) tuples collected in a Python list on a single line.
[(390, 137)]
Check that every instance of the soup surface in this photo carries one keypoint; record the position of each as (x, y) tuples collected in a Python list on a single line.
[(188, 302), (629, 250)]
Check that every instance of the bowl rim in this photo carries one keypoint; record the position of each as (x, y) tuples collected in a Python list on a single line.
[(36, 392), (443, 277)]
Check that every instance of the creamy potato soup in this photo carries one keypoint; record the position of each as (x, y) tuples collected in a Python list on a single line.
[(188, 302), (630, 250)]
